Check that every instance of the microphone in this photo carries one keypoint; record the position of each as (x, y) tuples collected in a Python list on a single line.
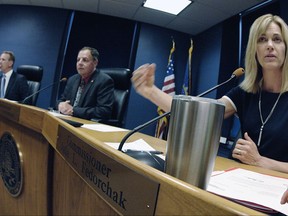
[(237, 73), (64, 79), (150, 158)]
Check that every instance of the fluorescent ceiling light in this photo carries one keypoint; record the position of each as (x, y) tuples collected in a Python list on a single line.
[(168, 6)]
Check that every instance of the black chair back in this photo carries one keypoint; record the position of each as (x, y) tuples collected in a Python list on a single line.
[(122, 84), (33, 74)]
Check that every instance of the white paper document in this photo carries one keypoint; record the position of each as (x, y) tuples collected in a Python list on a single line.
[(57, 114), (255, 190), (102, 128), (139, 145)]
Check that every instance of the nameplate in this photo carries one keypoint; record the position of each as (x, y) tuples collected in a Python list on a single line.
[(122, 188), (10, 111)]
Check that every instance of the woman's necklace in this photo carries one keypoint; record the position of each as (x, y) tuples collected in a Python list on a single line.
[(264, 122)]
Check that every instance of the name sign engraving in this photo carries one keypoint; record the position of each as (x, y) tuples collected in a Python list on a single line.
[(124, 189)]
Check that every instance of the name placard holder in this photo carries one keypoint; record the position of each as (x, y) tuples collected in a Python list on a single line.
[(127, 191)]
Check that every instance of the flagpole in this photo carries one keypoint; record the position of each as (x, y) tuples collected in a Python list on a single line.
[(189, 71), (172, 50)]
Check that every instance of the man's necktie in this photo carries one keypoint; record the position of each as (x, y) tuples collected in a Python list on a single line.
[(79, 92), (3, 80)]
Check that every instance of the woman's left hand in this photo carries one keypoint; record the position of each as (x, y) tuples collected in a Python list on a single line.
[(246, 151)]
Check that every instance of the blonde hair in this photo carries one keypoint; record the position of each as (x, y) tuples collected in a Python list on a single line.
[(253, 74)]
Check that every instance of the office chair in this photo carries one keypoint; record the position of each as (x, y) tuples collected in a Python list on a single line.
[(122, 84), (33, 74)]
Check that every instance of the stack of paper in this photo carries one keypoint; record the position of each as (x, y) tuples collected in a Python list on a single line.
[(255, 190)]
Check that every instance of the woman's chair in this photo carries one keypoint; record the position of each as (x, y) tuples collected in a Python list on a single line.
[(122, 84), (33, 74)]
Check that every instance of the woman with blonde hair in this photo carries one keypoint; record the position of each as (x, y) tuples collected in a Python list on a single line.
[(260, 101)]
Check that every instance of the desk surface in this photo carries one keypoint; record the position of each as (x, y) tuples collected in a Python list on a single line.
[(220, 164), (174, 196)]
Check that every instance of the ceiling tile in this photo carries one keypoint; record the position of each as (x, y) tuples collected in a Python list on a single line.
[(20, 2), (205, 15), (118, 8), (230, 7), (153, 17), (50, 3), (137, 3), (82, 5)]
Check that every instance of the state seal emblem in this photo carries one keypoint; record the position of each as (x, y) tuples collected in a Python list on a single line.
[(10, 165)]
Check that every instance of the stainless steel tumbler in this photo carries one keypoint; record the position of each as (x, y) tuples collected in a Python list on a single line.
[(193, 138)]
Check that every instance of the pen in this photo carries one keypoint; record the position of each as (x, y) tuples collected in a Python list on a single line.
[(155, 152), (151, 152)]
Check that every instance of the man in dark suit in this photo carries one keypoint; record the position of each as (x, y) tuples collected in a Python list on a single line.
[(90, 93), (13, 86)]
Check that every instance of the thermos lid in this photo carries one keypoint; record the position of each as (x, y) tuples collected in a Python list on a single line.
[(198, 99)]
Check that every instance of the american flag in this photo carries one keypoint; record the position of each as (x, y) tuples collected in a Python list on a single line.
[(169, 88), (169, 84)]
